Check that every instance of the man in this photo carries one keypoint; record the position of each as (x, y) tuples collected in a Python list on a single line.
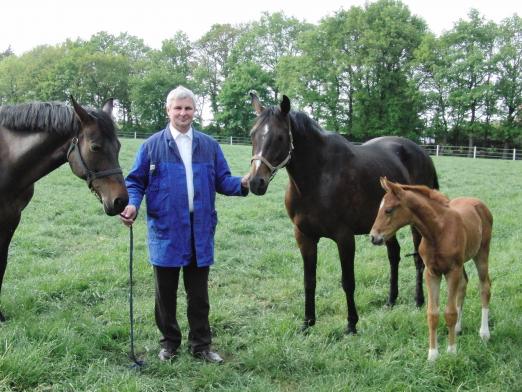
[(179, 170)]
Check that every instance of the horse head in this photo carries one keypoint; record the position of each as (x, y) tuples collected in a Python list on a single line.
[(93, 156), (272, 143)]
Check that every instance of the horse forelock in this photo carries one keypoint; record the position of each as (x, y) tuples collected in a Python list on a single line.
[(51, 117)]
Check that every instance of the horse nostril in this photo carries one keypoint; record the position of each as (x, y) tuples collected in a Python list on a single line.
[(119, 204)]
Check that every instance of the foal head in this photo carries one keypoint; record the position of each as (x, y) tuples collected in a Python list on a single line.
[(392, 215), (93, 156), (272, 143)]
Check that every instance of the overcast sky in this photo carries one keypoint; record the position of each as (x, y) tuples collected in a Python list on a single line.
[(27, 24)]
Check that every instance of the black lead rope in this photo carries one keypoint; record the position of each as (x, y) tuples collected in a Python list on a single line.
[(138, 363)]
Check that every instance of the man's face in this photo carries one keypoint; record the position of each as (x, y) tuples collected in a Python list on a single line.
[(181, 114)]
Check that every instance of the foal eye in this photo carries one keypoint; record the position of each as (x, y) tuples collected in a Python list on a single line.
[(388, 210)]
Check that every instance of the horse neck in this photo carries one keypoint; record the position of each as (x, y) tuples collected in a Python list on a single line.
[(429, 216), (36, 154), (308, 155)]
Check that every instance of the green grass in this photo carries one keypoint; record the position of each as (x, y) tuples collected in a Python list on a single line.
[(66, 296)]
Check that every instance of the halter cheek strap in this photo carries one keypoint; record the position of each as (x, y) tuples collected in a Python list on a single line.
[(90, 175), (274, 169)]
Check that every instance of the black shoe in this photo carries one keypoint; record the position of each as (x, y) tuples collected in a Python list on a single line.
[(208, 356), (166, 355)]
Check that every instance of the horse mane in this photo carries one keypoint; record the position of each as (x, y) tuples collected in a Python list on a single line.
[(429, 193), (300, 120), (51, 117)]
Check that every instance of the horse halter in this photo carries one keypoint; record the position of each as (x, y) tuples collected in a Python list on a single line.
[(274, 169), (90, 175)]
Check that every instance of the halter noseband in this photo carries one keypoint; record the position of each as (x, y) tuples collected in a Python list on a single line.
[(274, 169), (90, 175)]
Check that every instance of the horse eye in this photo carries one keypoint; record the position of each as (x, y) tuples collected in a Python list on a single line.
[(388, 210), (95, 147)]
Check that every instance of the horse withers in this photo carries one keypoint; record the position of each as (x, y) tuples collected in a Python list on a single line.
[(37, 138), (453, 232), (333, 190)]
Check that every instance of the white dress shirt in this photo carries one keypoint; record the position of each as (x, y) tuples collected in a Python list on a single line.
[(184, 143)]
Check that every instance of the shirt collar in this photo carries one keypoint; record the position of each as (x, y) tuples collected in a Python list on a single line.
[(175, 133)]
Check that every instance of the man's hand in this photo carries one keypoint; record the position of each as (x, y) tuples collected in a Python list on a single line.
[(245, 180), (128, 215)]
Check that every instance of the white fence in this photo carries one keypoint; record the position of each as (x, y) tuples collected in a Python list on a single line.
[(432, 149)]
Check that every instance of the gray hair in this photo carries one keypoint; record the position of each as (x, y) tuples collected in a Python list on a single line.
[(180, 92)]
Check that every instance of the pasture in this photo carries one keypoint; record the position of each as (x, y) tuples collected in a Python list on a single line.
[(65, 296)]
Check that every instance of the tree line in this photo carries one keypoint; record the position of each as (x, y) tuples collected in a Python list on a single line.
[(365, 71)]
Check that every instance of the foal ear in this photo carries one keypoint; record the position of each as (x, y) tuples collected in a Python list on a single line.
[(81, 113), (256, 103), (285, 105), (108, 106), (384, 184)]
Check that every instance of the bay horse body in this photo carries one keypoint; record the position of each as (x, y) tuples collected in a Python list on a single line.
[(333, 190), (453, 232), (37, 138)]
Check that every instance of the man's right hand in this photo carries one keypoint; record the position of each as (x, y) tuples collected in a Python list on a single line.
[(128, 215)]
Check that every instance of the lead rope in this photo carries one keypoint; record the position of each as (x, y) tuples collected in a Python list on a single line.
[(138, 363)]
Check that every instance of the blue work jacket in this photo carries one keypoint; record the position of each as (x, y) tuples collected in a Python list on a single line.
[(159, 175)]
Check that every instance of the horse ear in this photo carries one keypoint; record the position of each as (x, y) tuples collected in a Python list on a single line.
[(108, 106), (81, 113), (285, 105), (395, 188), (256, 103)]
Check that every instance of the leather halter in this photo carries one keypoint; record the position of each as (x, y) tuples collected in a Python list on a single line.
[(90, 175), (274, 169)]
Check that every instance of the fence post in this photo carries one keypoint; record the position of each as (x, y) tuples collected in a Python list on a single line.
[(474, 152), (231, 140), (437, 152), (514, 154)]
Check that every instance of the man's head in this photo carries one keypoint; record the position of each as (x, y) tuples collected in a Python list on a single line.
[(180, 105)]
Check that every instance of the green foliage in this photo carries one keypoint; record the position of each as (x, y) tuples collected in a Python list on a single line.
[(66, 298)]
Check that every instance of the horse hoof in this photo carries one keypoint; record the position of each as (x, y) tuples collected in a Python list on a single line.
[(306, 325), (351, 330), (2, 318), (390, 304)]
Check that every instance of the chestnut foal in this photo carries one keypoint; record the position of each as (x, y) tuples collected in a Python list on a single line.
[(453, 231)]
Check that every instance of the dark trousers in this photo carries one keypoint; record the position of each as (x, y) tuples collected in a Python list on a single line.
[(196, 286)]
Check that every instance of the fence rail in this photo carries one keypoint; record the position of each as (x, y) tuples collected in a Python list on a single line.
[(432, 149)]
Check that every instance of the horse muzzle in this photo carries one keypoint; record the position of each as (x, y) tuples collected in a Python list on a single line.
[(376, 239), (258, 185)]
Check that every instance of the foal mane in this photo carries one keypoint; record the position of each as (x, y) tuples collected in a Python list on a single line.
[(51, 117), (431, 194)]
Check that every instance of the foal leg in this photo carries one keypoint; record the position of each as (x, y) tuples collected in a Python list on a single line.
[(346, 247), (453, 278), (308, 247), (481, 262), (461, 294), (433, 286), (419, 266), (394, 257)]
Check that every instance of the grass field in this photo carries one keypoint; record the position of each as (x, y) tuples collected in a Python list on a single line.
[(66, 298)]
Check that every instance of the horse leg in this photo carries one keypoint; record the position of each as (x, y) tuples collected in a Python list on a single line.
[(481, 262), (419, 266), (6, 234), (346, 247), (308, 247), (453, 279), (461, 294), (394, 257), (433, 285)]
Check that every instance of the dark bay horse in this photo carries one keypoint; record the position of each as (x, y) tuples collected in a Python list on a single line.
[(37, 138), (453, 232), (334, 190)]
